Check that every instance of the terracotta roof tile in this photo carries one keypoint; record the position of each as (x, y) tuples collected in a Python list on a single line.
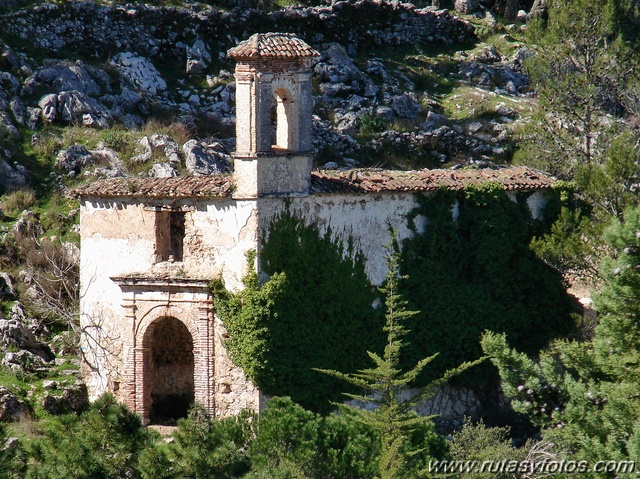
[(372, 181), (324, 181), (179, 187), (271, 45)]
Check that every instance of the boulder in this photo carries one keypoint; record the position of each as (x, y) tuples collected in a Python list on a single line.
[(385, 113), (18, 110), (466, 6), (11, 178), (104, 156), (28, 225), (405, 106), (170, 148), (139, 73), (146, 151), (9, 83), (58, 76), (73, 159), (203, 159), (7, 128), (163, 170), (7, 288), (9, 60), (49, 107), (23, 361), (66, 399), (14, 334), (12, 409), (76, 107), (335, 66), (198, 57)]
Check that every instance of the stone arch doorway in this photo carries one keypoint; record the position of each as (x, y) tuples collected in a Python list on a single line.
[(169, 370)]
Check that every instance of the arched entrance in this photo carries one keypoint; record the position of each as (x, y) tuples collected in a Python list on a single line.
[(169, 368)]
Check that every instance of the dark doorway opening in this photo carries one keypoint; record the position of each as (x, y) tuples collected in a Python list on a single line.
[(170, 372)]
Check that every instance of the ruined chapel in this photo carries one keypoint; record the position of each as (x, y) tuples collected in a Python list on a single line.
[(150, 246)]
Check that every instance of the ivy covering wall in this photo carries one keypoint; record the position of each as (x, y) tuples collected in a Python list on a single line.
[(477, 273), (314, 311), (465, 275)]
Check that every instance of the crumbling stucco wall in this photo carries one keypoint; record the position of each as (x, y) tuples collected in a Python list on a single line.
[(367, 219), (125, 285)]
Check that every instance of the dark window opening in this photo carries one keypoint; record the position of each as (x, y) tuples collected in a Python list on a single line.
[(170, 233)]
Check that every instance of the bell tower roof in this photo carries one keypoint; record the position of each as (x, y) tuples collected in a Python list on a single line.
[(272, 46)]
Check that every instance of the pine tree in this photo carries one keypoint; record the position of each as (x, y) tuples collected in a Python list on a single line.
[(392, 418), (580, 73), (586, 395), (584, 73)]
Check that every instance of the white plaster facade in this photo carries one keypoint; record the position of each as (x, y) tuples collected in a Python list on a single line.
[(133, 277)]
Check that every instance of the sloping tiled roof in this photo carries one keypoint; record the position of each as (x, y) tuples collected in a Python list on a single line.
[(180, 187), (324, 181), (376, 180), (271, 45)]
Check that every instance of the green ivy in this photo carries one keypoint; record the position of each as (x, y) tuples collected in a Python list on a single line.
[(474, 273), (314, 312)]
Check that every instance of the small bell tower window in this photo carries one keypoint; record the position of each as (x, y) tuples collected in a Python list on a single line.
[(283, 118)]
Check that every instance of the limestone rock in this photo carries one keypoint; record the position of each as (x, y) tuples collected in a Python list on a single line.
[(7, 128), (12, 409), (169, 147), (7, 288), (11, 177), (73, 159), (18, 110), (405, 106), (139, 73), (58, 76), (9, 83), (198, 57), (335, 66), (107, 157), (75, 107), (66, 399), (14, 334), (163, 170), (23, 361), (144, 145), (28, 225), (466, 6), (49, 107), (385, 113), (203, 159)]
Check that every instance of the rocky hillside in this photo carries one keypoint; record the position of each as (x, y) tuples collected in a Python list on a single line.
[(407, 79), (90, 90)]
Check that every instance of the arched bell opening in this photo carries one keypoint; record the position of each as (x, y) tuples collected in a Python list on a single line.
[(282, 118)]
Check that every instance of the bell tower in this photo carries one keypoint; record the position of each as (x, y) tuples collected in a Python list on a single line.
[(274, 153)]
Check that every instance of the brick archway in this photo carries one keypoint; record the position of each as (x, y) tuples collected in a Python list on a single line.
[(148, 304), (168, 370)]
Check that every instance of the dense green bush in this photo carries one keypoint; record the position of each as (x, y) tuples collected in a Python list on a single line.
[(102, 443)]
